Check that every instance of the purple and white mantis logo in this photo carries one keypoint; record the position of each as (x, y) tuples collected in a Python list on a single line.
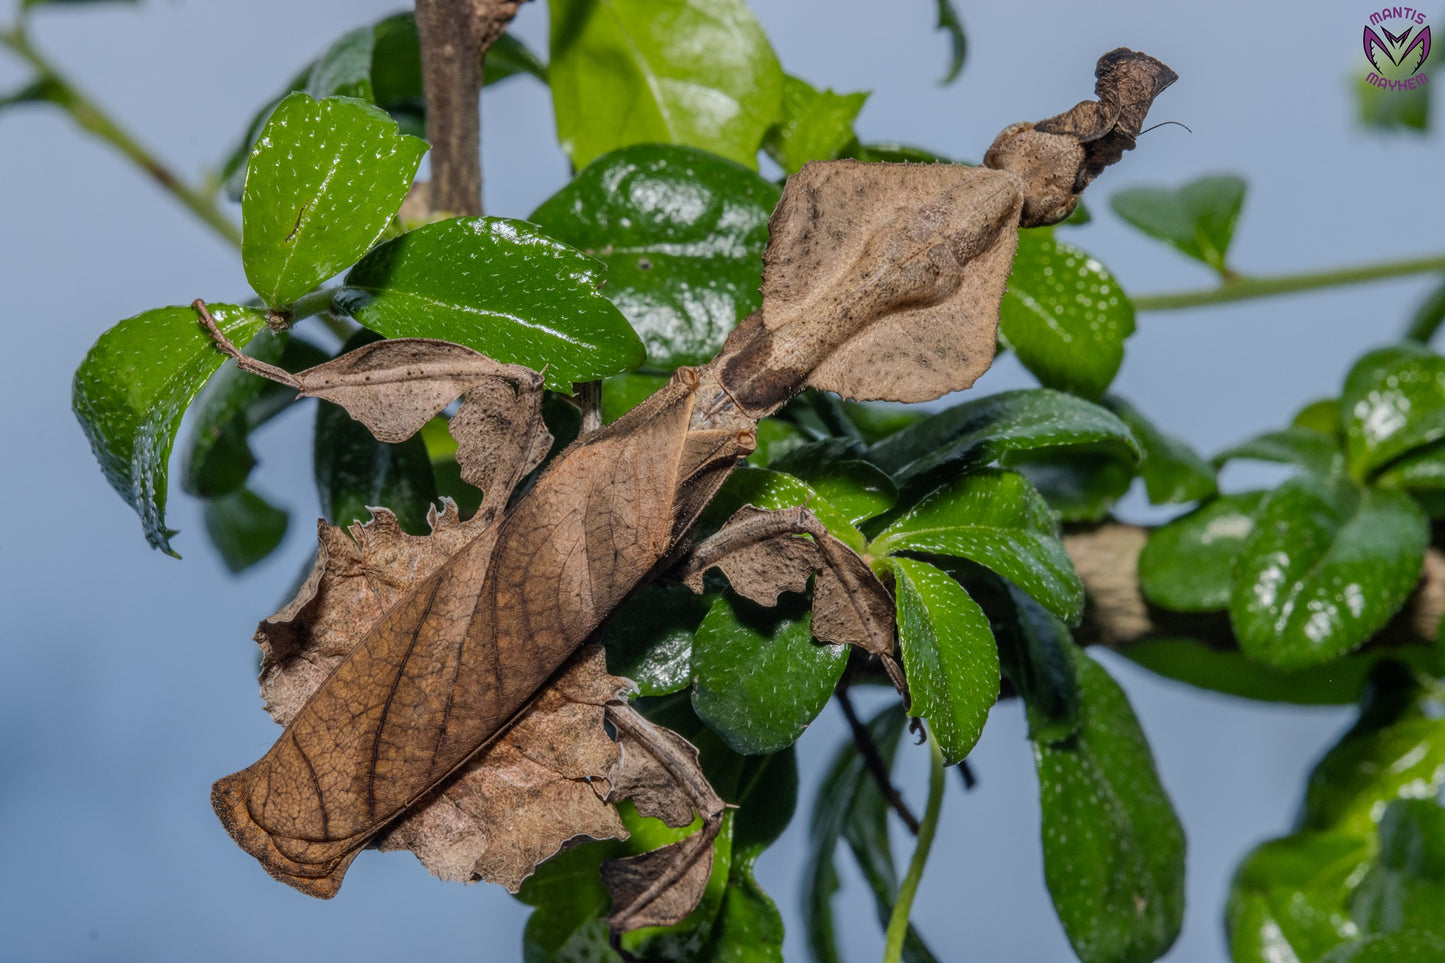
[(1397, 54)]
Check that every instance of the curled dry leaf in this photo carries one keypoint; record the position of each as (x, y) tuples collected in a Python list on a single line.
[(427, 684)]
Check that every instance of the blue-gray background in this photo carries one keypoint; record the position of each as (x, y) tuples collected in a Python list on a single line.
[(126, 678)]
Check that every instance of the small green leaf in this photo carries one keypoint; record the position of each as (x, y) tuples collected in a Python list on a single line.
[(1428, 316), (132, 388), (244, 527), (949, 655), (1080, 484), (1188, 564), (322, 183), (649, 637), (1422, 474), (1393, 402), (682, 233), (1395, 750), (949, 22), (1310, 449), (443, 281), (981, 431), (1113, 846), (1415, 946), (1065, 316), (1172, 471), (855, 487), (764, 488), (1405, 889), (997, 519), (1288, 900), (816, 124), (1325, 567), (1034, 650), (1392, 110), (568, 924), (703, 75), (355, 472), (759, 678), (1322, 415), (1198, 219)]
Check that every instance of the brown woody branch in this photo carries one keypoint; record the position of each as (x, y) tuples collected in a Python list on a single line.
[(455, 36), (1107, 559)]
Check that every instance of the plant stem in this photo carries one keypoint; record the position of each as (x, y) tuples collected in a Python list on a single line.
[(873, 760), (898, 922), (60, 91), (1248, 288)]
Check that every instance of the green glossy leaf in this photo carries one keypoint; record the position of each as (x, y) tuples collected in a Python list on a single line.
[(1405, 889), (949, 655), (1392, 110), (764, 488), (1415, 946), (649, 637), (1035, 654), (1393, 401), (759, 678), (949, 23), (1308, 448), (815, 125), (981, 431), (1172, 471), (244, 527), (217, 455), (997, 519), (1198, 219), (857, 488), (696, 72), (1288, 902), (1080, 484), (1064, 315), (355, 472), (1422, 474), (322, 183), (875, 421), (501, 287), (1428, 316), (1395, 750), (41, 90), (1325, 567), (1188, 564), (682, 233), (1113, 846), (1323, 415), (132, 388), (568, 924)]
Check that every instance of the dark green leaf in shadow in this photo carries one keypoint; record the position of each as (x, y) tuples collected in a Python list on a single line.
[(1188, 564), (1393, 401), (1172, 471), (877, 420), (949, 655), (1197, 219), (1035, 654), (764, 488), (442, 281), (1113, 846), (132, 388), (322, 183), (704, 76), (815, 125), (1325, 567), (1310, 449), (759, 678), (682, 233), (1405, 889), (855, 487), (1428, 316), (1080, 484), (997, 519), (244, 527), (949, 23), (1064, 315), (649, 637)]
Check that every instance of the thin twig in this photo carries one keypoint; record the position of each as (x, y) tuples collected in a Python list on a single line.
[(589, 400), (1250, 288), (868, 749)]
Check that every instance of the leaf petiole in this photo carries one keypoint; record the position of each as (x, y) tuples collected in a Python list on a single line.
[(898, 922)]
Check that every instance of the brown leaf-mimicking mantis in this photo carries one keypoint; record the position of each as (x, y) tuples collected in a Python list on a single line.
[(881, 281)]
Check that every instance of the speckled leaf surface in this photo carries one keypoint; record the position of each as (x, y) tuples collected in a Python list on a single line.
[(1197, 219), (1393, 401), (132, 388), (501, 287), (759, 678), (764, 488), (1287, 901), (1065, 315), (1113, 846), (998, 520), (696, 72), (1325, 567), (1188, 564), (682, 232), (949, 655), (322, 183), (1405, 889), (816, 124)]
